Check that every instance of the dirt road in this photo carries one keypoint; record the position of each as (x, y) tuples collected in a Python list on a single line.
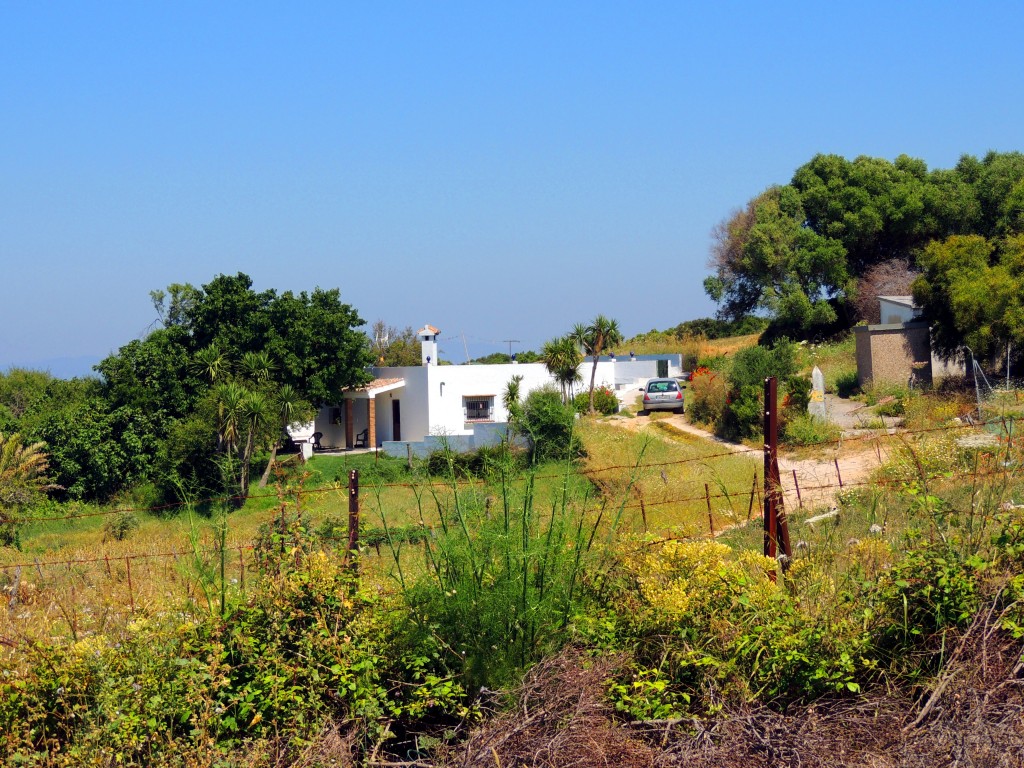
[(818, 478)]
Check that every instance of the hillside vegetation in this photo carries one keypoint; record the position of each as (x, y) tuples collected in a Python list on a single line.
[(253, 638)]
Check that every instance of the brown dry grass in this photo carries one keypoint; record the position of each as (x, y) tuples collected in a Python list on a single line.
[(561, 719), (971, 718), (696, 346), (730, 345)]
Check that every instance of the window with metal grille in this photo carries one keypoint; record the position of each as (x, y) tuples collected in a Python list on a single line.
[(478, 408)]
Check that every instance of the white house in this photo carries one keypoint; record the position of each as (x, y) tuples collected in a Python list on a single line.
[(418, 406)]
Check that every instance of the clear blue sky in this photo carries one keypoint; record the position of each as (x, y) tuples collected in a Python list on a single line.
[(499, 172)]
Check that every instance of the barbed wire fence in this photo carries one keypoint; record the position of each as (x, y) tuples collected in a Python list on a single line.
[(726, 507)]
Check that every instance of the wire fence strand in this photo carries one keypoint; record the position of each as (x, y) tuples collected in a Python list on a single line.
[(742, 492)]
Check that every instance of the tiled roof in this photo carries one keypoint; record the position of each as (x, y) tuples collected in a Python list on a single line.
[(378, 383), (428, 330)]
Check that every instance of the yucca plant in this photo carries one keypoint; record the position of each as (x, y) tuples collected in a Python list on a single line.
[(22, 480)]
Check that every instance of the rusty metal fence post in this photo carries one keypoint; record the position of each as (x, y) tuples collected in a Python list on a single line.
[(776, 528), (353, 518)]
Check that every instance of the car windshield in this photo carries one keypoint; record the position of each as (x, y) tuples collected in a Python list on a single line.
[(662, 386)]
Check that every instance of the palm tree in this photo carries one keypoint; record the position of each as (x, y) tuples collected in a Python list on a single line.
[(211, 362), (510, 399), (22, 471), (22, 479), (562, 358), (256, 411), (229, 415), (289, 405), (257, 366), (601, 334)]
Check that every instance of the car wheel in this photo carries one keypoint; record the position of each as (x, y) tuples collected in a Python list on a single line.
[(644, 412)]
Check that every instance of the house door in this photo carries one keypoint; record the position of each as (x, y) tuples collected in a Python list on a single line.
[(396, 420)]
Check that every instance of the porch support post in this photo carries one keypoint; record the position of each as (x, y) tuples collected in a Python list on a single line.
[(350, 434), (371, 435)]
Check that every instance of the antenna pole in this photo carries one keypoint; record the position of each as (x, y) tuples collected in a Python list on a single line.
[(510, 343)]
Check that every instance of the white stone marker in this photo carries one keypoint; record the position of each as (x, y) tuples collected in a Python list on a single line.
[(816, 407)]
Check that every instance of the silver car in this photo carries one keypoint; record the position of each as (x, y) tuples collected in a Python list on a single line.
[(663, 395)]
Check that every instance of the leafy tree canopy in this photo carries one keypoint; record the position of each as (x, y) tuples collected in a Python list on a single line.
[(394, 348), (501, 358), (972, 289), (95, 449), (311, 339), (104, 435), (800, 253)]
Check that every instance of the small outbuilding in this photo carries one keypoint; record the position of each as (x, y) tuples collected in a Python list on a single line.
[(898, 350)]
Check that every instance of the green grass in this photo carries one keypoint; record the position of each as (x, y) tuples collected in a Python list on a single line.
[(666, 493), (516, 566)]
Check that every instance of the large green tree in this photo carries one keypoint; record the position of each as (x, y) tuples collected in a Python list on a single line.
[(311, 338), (21, 390), (801, 253), (392, 347), (767, 259), (95, 448), (972, 291), (225, 337)]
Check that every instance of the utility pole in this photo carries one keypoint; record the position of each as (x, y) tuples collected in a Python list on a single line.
[(510, 343)]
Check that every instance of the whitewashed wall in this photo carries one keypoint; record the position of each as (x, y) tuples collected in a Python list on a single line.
[(433, 399)]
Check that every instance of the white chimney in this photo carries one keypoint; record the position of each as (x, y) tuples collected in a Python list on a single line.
[(428, 344)]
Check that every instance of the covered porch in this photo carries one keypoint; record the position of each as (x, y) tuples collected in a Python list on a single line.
[(367, 421), (362, 420)]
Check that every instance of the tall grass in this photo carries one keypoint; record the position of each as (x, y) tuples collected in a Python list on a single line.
[(668, 495), (506, 568)]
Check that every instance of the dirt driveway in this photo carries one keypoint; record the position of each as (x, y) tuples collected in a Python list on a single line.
[(844, 464)]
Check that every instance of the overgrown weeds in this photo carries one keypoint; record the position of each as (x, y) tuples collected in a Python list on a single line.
[(502, 575), (681, 643)]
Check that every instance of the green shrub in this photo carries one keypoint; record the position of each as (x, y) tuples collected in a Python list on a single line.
[(878, 392), (752, 365), (743, 415), (705, 623), (714, 363), (605, 402), (482, 462), (891, 407), (798, 393), (548, 425), (9, 534), (714, 328), (847, 384), (120, 526), (932, 589), (706, 398), (304, 647), (804, 429)]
